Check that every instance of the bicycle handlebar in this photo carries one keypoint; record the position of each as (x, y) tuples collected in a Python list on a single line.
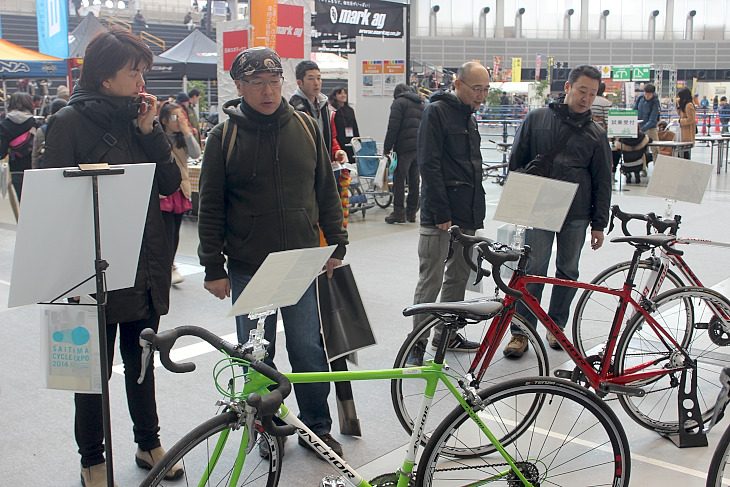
[(266, 406), (652, 221), (485, 249)]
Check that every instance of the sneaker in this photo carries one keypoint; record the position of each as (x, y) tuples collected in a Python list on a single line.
[(177, 278), (395, 218), (516, 346), (415, 357), (552, 341), (328, 440), (265, 451), (459, 344), (148, 459), (94, 476)]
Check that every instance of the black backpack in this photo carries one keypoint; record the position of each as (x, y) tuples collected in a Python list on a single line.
[(21, 147)]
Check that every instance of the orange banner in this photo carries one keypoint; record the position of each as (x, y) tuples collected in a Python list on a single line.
[(263, 23)]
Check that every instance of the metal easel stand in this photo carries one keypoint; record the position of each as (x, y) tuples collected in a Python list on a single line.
[(100, 265), (689, 411)]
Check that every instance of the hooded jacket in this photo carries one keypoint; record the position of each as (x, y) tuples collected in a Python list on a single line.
[(14, 125), (275, 192), (301, 103), (405, 118), (72, 134), (586, 159), (450, 163)]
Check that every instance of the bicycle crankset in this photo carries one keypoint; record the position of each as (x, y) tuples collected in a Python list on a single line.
[(579, 377), (389, 480), (529, 470), (717, 333)]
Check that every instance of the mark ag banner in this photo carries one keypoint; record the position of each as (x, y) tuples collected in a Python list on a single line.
[(352, 18)]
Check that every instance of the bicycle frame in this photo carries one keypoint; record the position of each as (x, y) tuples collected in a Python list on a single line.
[(431, 373)]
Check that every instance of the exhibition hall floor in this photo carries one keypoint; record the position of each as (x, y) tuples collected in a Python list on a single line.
[(36, 428)]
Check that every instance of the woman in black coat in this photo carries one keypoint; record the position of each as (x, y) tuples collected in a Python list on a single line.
[(402, 137), (110, 119), (17, 131), (345, 122)]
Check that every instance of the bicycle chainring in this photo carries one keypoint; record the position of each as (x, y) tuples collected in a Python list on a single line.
[(529, 470), (579, 377), (717, 334), (389, 480)]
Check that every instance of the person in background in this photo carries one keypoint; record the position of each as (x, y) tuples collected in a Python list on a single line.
[(724, 113), (452, 194), (665, 136), (345, 121), (62, 92), (402, 137), (173, 207), (194, 99), (243, 216), (649, 110), (139, 20), (600, 107), (715, 103), (687, 119), (17, 132), (107, 102), (39, 143), (586, 161)]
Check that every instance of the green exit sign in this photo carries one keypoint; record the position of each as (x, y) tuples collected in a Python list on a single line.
[(622, 73), (641, 73)]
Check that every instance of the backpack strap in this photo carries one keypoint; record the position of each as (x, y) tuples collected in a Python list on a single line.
[(306, 121), (230, 130)]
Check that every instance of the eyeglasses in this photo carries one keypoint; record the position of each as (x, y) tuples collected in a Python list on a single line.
[(479, 90), (259, 84)]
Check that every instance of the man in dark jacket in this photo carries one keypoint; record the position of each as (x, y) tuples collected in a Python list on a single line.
[(273, 189), (402, 135), (450, 162), (585, 160), (649, 111)]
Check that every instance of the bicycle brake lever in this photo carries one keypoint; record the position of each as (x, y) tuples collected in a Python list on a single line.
[(147, 354), (451, 249)]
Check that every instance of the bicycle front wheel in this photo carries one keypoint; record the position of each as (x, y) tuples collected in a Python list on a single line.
[(408, 394), (719, 461), (594, 311), (570, 438), (383, 199), (208, 455), (689, 315)]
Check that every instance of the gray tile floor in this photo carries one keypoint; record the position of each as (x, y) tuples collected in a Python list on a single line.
[(38, 448)]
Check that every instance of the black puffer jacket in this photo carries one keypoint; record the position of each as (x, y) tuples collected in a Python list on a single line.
[(405, 117), (585, 160), (451, 164), (14, 125), (74, 132)]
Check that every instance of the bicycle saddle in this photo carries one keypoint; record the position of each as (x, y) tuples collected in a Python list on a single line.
[(656, 240), (472, 309)]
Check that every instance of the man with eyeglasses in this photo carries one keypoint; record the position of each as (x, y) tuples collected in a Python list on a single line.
[(266, 185), (586, 160), (450, 163)]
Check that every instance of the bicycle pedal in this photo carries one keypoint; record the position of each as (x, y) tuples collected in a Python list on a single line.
[(563, 374), (701, 326), (620, 389)]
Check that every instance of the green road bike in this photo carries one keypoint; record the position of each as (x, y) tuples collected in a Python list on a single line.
[(523, 432)]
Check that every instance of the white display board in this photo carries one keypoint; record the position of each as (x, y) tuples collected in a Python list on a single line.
[(677, 179), (54, 245), (622, 123), (282, 279), (535, 202)]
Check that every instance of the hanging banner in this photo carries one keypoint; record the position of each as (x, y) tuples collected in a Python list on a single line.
[(352, 18), (551, 63), (517, 69), (290, 31), (538, 66), (234, 42), (52, 21), (497, 71), (264, 23)]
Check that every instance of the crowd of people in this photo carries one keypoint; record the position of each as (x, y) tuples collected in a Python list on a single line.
[(271, 146)]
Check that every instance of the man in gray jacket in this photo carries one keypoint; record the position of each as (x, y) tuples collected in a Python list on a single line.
[(585, 160)]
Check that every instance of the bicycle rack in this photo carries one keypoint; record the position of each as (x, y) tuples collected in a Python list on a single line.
[(688, 439)]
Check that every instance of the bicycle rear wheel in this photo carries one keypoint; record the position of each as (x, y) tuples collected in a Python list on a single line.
[(719, 461), (209, 453), (408, 394), (570, 437), (594, 311), (688, 315)]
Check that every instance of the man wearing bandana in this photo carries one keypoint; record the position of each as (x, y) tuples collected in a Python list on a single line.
[(266, 185)]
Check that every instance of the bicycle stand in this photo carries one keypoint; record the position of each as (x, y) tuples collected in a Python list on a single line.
[(685, 438)]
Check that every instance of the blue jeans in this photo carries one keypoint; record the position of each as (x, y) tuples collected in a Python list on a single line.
[(305, 348), (571, 239)]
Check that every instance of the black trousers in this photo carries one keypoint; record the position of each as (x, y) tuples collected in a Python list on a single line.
[(406, 171), (89, 425), (172, 223)]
